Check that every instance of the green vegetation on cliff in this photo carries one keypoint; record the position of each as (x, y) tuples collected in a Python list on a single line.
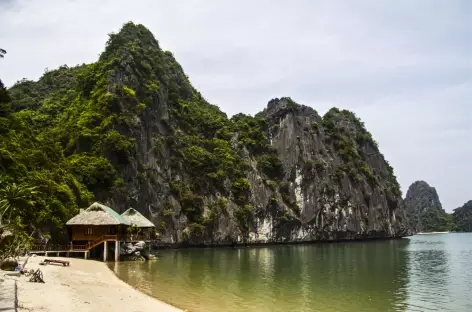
[(462, 218), (131, 130), (29, 158)]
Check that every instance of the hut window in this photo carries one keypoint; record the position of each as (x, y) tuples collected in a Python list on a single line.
[(89, 231)]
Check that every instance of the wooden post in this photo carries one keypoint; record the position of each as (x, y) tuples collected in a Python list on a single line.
[(71, 246), (105, 251), (57, 254), (67, 254), (46, 254), (85, 255), (117, 251)]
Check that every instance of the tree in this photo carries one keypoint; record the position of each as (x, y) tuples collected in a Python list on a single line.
[(462, 218), (13, 240), (5, 108), (15, 198), (13, 237), (4, 97)]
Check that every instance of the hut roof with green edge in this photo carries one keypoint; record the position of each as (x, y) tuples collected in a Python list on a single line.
[(98, 214), (137, 219)]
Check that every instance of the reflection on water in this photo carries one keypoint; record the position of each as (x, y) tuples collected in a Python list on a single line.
[(440, 273), (422, 273)]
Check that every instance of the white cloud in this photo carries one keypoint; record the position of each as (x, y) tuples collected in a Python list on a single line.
[(403, 66)]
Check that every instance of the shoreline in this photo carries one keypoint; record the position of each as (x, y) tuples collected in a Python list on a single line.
[(179, 246), (85, 285), (89, 285)]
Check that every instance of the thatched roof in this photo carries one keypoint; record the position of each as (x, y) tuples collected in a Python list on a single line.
[(135, 218), (98, 214)]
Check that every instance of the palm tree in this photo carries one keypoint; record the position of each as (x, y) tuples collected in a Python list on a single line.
[(15, 198), (2, 53)]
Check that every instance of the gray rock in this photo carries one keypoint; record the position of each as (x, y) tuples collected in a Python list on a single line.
[(424, 209), (320, 196), (140, 245), (127, 249)]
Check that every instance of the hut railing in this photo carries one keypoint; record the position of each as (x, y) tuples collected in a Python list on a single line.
[(44, 248), (102, 239), (79, 247), (51, 247)]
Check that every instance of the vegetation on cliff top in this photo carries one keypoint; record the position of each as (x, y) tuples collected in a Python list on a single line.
[(71, 135), (462, 218)]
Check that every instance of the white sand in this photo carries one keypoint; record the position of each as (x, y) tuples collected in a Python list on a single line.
[(85, 285)]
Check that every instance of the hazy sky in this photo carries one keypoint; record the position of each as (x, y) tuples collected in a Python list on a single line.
[(404, 67)]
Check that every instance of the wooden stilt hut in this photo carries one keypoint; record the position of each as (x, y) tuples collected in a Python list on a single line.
[(96, 225), (141, 228)]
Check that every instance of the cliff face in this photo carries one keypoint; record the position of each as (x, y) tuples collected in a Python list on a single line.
[(424, 210), (137, 134)]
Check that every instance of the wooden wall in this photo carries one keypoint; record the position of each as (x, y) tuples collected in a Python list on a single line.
[(81, 232)]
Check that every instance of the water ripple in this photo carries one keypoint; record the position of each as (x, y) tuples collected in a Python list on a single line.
[(422, 273)]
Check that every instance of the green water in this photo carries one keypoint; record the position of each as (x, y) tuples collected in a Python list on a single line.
[(420, 273)]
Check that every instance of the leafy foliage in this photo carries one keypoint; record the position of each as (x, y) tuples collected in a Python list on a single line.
[(36, 184), (462, 218), (339, 127), (15, 199), (13, 240)]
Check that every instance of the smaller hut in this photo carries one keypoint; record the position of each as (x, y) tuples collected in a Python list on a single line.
[(141, 228)]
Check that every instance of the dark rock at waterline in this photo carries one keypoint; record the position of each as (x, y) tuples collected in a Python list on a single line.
[(138, 251)]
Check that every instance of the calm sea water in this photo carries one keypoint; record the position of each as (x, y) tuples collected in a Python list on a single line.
[(420, 273)]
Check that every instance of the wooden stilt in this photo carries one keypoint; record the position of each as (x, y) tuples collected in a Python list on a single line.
[(117, 251), (105, 251)]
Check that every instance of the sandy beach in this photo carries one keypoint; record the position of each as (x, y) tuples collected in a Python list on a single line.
[(85, 285), (431, 233)]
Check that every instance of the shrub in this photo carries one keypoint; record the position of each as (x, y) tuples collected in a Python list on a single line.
[(128, 91), (270, 165)]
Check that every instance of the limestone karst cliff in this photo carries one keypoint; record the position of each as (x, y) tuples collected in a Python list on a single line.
[(131, 130), (424, 209)]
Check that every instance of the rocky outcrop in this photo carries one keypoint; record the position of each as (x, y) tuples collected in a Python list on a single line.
[(8, 265), (424, 209), (285, 175), (136, 251), (462, 218)]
